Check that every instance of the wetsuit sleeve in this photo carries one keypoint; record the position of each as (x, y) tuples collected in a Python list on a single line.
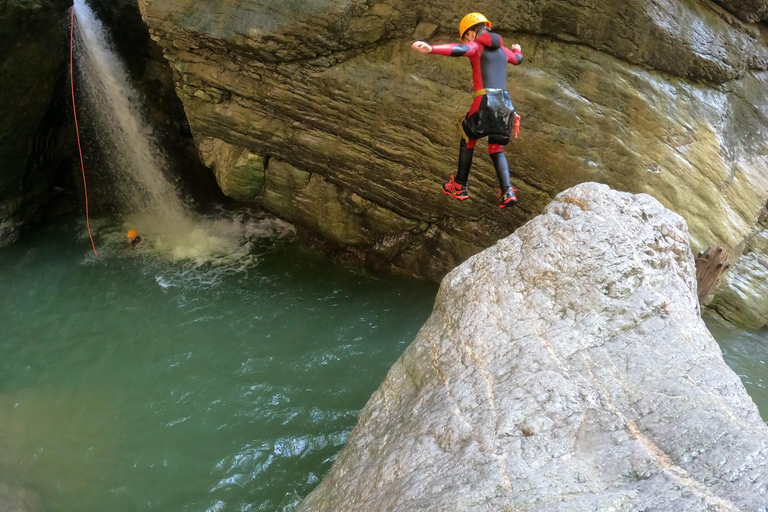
[(454, 50), (514, 57), (491, 40)]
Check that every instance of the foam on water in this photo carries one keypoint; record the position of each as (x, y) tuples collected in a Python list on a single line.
[(217, 241), (133, 381), (149, 202), (198, 253)]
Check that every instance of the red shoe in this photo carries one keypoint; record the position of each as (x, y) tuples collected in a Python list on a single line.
[(457, 190), (508, 198)]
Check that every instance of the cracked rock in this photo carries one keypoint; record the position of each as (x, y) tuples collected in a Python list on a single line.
[(531, 387)]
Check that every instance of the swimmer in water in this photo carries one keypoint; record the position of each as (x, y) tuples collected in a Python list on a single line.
[(134, 237)]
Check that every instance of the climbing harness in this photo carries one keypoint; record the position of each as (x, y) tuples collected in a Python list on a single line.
[(77, 129)]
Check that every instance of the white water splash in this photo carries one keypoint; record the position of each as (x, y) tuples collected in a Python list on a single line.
[(130, 142), (150, 202)]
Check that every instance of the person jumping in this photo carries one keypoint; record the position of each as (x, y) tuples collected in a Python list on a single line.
[(492, 114)]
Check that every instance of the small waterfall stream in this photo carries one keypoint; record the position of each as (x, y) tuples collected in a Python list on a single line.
[(148, 200), (139, 164), (212, 367)]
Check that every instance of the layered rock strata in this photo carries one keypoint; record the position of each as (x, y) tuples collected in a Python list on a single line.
[(746, 10), (742, 296), (564, 368), (34, 37), (666, 98)]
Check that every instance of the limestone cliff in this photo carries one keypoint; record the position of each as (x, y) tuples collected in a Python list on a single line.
[(321, 112), (564, 368), (33, 35), (742, 296)]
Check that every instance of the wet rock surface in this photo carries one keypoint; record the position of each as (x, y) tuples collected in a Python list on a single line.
[(746, 10), (564, 368), (742, 296), (666, 98), (35, 42), (710, 267), (153, 80)]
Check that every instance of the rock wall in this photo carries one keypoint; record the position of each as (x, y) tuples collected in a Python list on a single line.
[(565, 368), (34, 35), (741, 297), (666, 98), (747, 10), (152, 79)]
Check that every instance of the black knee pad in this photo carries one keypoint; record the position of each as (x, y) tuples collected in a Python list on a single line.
[(501, 140), (468, 128)]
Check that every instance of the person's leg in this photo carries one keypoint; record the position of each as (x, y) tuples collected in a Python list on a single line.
[(496, 151), (466, 150), (500, 163), (457, 186)]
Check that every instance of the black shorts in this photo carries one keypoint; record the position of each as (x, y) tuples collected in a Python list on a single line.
[(494, 119)]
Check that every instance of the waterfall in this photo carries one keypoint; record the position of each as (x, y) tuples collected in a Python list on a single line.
[(149, 202), (139, 166)]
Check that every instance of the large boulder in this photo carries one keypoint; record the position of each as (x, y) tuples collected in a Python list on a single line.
[(34, 35), (666, 98), (565, 368)]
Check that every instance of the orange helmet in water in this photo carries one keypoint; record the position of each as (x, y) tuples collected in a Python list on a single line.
[(470, 20), (132, 234)]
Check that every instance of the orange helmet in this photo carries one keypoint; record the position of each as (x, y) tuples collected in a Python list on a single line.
[(132, 234), (470, 20)]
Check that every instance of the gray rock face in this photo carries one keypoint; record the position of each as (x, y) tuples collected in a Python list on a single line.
[(244, 176), (564, 368), (741, 297), (746, 10), (33, 37), (666, 98)]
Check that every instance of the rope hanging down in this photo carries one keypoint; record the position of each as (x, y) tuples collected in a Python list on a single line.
[(77, 130)]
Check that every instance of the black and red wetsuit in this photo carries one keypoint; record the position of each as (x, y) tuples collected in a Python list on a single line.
[(489, 58), (492, 113)]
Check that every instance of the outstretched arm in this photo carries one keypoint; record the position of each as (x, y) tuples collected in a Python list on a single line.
[(451, 50), (515, 55), (421, 46)]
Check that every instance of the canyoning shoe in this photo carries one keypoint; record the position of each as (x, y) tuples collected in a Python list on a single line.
[(508, 198), (455, 189)]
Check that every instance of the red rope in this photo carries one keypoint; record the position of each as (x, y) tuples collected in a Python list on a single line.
[(77, 130)]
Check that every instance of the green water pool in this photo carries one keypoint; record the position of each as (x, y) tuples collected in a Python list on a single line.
[(131, 383), (747, 355)]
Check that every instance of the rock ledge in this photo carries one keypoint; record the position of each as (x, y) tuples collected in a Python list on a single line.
[(564, 368)]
